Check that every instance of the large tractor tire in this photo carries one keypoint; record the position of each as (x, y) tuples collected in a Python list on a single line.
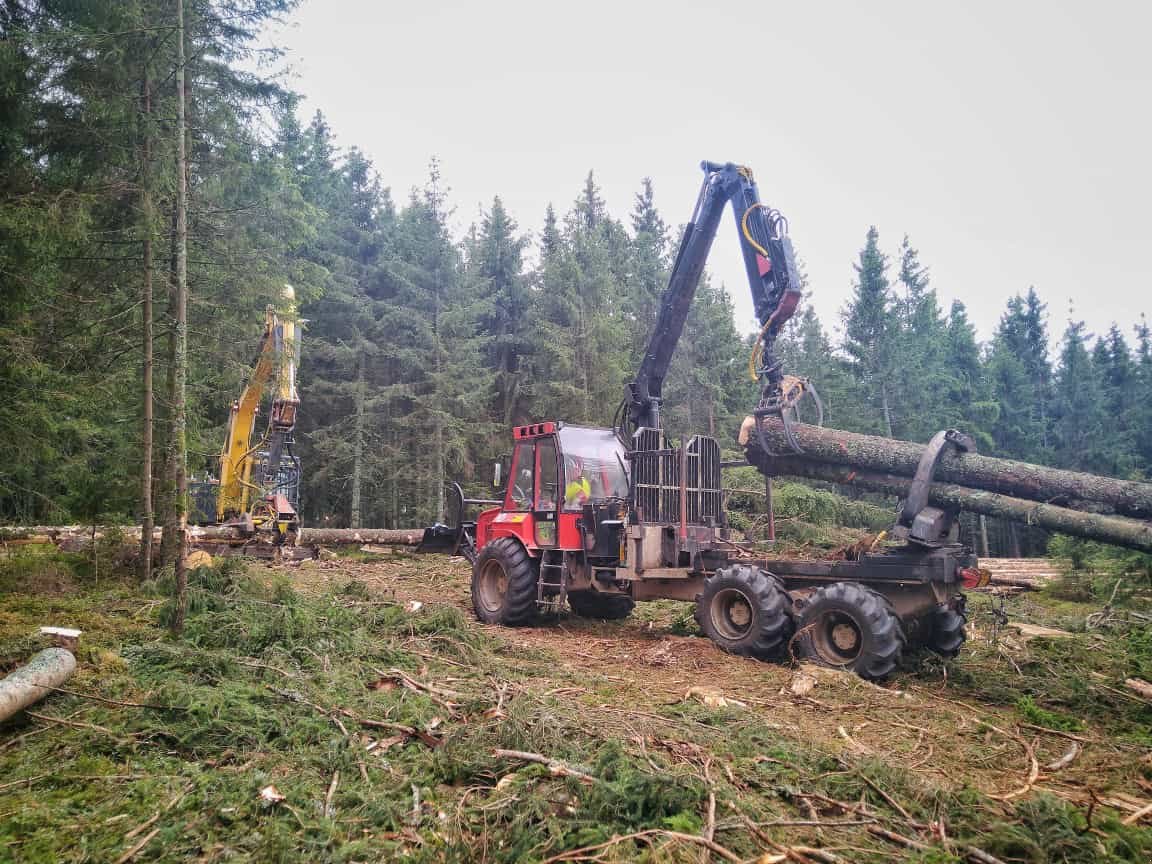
[(848, 626), (745, 611), (947, 632), (595, 604), (504, 584)]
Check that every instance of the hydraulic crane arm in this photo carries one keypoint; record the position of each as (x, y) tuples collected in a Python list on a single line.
[(275, 358), (772, 278)]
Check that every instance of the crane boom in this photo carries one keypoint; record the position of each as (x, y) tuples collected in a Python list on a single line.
[(250, 473), (772, 277)]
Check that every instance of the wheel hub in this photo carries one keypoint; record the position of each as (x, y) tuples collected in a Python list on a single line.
[(731, 613), (837, 638), (845, 637), (493, 586)]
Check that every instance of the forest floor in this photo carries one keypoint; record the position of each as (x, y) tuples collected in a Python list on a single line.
[(350, 710)]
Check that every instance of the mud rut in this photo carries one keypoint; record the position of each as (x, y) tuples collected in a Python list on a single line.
[(636, 668)]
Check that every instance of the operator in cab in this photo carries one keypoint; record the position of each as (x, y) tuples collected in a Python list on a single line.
[(578, 490)]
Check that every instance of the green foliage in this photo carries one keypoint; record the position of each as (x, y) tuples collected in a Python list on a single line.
[(1033, 713), (423, 347), (1099, 572)]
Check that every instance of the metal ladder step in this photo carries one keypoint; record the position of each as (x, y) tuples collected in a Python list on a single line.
[(547, 569)]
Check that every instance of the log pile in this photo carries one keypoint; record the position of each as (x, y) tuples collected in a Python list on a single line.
[(77, 537), (1069, 502)]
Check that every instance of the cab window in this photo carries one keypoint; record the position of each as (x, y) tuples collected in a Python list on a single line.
[(522, 480), (546, 474), (593, 466)]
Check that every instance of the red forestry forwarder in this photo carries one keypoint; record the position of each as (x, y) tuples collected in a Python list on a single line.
[(603, 518)]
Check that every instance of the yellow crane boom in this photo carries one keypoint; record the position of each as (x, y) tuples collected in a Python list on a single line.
[(249, 472)]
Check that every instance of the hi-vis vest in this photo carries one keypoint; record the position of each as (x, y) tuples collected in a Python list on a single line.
[(575, 489)]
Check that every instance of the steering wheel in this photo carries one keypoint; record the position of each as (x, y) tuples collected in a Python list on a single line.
[(519, 494)]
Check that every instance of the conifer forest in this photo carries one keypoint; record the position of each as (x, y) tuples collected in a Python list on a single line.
[(161, 185)]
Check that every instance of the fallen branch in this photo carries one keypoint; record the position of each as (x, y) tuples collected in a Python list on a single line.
[(1139, 686), (144, 826), (1060, 733), (899, 839), (892, 802), (144, 841), (108, 701), (709, 832), (75, 724), (334, 714), (979, 856), (1133, 818), (1033, 765), (331, 794), (821, 855), (801, 823), (555, 766), (582, 853), (439, 695), (1065, 760)]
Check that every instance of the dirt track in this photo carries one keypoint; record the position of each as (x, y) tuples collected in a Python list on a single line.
[(916, 720)]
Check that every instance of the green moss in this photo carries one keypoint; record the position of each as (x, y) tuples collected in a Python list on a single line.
[(1033, 713)]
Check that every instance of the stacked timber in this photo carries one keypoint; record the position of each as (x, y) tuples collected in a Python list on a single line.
[(79, 536), (1024, 572), (1068, 502)]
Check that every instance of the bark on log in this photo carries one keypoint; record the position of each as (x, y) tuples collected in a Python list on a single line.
[(987, 473), (345, 536), (1118, 530), (33, 681)]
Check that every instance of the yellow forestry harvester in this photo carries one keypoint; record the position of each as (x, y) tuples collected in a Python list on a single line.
[(258, 490)]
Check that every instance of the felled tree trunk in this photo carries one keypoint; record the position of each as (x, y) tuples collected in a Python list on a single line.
[(1119, 530), (35, 680), (77, 537), (346, 536), (1005, 476)]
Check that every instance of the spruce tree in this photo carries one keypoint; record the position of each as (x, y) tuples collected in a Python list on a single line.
[(495, 272), (1077, 407), (869, 336)]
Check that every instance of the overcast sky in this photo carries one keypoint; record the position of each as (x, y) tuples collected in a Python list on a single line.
[(1010, 140)]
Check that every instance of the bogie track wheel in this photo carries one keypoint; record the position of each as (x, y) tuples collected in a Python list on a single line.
[(947, 631), (745, 611), (594, 604), (504, 583), (848, 626)]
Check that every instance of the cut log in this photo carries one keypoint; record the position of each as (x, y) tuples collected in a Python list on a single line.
[(35, 679), (1005, 476), (80, 536), (347, 536), (1118, 530)]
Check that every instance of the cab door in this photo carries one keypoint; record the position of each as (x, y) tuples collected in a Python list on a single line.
[(547, 491)]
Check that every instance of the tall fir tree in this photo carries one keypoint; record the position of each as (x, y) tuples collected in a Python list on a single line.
[(1077, 408), (869, 336)]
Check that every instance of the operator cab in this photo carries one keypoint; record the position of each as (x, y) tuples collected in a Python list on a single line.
[(560, 467), (557, 470)]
